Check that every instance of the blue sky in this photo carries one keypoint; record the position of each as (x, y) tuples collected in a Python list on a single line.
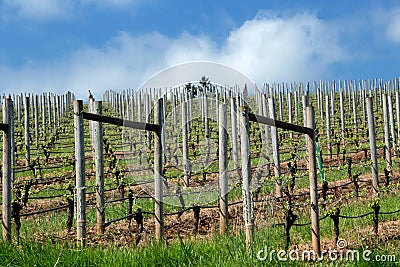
[(59, 45)]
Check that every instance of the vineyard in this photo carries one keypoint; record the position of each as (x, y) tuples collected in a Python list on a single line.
[(157, 172)]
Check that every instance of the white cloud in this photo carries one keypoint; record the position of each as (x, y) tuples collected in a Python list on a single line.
[(56, 9), (38, 9), (392, 19), (300, 47), (267, 48)]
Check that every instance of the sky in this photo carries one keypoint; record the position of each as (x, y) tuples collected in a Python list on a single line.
[(76, 45)]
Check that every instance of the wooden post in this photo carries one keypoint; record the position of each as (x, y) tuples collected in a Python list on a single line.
[(388, 156), (246, 175), (372, 144), (44, 116), (148, 115), (49, 102), (354, 98), (80, 173), (342, 113), (27, 136), (312, 167), (54, 111), (289, 103), (18, 109), (158, 172), (267, 128), (304, 100), (363, 93), (392, 125), (328, 125), (99, 166), (185, 148), (280, 94), (234, 136), (206, 128), (59, 105), (91, 110), (275, 148), (223, 174), (8, 117), (36, 114)]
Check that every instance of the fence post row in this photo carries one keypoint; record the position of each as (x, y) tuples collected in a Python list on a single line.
[(271, 123), (27, 136), (7, 128), (310, 138), (275, 148), (99, 161)]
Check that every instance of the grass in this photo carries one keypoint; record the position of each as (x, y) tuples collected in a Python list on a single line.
[(227, 250), (220, 251)]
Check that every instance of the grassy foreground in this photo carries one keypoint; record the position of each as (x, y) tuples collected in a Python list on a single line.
[(220, 251)]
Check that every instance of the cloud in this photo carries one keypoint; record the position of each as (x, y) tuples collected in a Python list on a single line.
[(266, 48), (38, 9), (42, 10), (393, 25), (301, 47)]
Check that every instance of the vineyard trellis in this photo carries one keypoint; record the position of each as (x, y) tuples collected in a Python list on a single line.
[(80, 163), (310, 135), (340, 146)]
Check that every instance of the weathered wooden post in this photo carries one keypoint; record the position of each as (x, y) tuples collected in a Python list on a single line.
[(392, 125), (280, 94), (206, 127), (328, 125), (99, 166), (18, 108), (304, 100), (342, 122), (289, 103), (80, 173), (223, 174), (354, 98), (275, 148), (27, 134), (8, 117), (54, 111), (44, 116), (267, 128), (312, 167), (234, 136), (364, 111), (388, 154), (372, 144), (185, 148), (246, 175), (49, 103), (36, 114), (158, 171)]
